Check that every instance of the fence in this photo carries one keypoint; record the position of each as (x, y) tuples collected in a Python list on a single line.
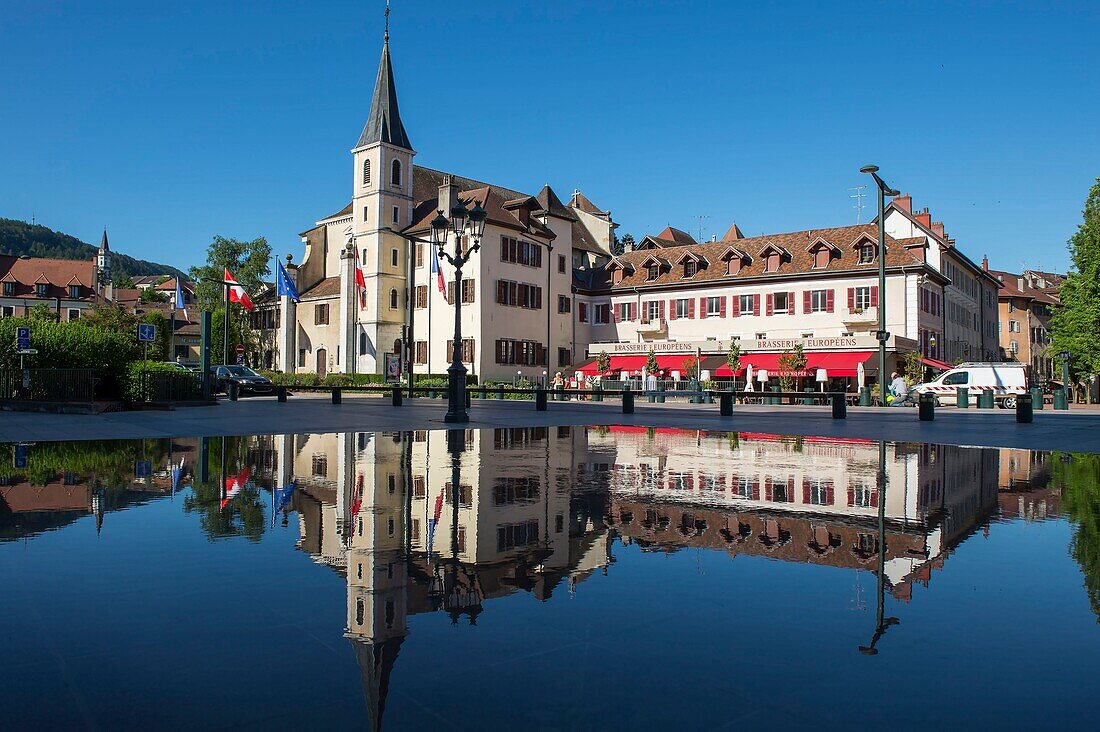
[(168, 386), (48, 385)]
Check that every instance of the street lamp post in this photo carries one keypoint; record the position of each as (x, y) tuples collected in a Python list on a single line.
[(882, 336), (472, 224), (1065, 376)]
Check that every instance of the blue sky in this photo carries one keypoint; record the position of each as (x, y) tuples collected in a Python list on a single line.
[(172, 122)]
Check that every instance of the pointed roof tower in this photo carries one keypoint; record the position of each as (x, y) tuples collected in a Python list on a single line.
[(104, 246), (384, 122)]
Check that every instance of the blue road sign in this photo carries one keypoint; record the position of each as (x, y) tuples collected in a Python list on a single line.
[(20, 461), (143, 469), (147, 332), (22, 338)]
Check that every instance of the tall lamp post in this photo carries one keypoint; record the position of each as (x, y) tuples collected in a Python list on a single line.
[(882, 336), (461, 223)]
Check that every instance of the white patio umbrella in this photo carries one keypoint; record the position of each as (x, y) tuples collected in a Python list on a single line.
[(822, 377), (861, 376), (748, 378)]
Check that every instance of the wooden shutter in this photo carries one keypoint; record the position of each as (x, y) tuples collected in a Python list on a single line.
[(829, 494), (806, 490), (851, 497), (736, 306), (756, 490), (722, 307), (807, 301), (874, 296), (703, 307), (790, 303), (618, 313), (851, 298), (500, 350), (691, 307), (829, 300), (874, 499), (661, 310), (769, 491), (672, 310), (756, 304), (770, 304), (790, 489)]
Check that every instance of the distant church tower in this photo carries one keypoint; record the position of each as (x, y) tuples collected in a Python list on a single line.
[(382, 201), (103, 268)]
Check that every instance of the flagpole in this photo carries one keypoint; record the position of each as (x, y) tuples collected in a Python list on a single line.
[(171, 355), (225, 325)]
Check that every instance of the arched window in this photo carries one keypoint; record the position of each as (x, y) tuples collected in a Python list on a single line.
[(362, 344), (397, 346), (395, 172), (393, 299), (366, 172)]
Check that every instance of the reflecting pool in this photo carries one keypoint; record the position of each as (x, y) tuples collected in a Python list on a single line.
[(546, 578)]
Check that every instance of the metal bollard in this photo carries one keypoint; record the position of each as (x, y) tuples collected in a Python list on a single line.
[(597, 396), (840, 406), (864, 396), (232, 391), (1037, 399), (500, 391), (807, 401), (1060, 400), (962, 397), (628, 400), (660, 398), (396, 395), (926, 407), (985, 399), (540, 400), (774, 399), (280, 393), (1024, 408), (708, 398), (467, 398), (725, 404), (337, 395)]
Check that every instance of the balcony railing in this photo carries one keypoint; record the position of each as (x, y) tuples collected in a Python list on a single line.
[(656, 325), (861, 316)]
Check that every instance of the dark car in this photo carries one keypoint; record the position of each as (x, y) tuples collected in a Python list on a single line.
[(247, 380)]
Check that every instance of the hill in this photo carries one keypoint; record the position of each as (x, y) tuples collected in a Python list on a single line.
[(18, 238)]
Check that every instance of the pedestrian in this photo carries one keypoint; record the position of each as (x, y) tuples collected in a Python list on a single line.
[(899, 389)]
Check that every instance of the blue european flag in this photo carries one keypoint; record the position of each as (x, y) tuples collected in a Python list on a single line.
[(283, 496), (284, 284)]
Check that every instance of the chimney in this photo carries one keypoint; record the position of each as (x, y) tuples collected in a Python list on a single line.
[(924, 217), (448, 195), (1021, 284), (937, 229), (904, 202), (985, 262)]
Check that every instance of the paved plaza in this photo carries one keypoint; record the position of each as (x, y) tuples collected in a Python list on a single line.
[(1075, 431)]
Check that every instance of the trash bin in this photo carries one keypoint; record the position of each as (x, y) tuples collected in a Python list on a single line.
[(985, 399), (540, 400), (1037, 399), (864, 396), (660, 398), (962, 397), (840, 406), (926, 407), (1024, 408), (628, 400), (725, 404)]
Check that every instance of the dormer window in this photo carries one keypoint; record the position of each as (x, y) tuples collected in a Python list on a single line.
[(866, 253), (9, 289), (733, 265), (652, 271), (690, 268), (616, 276), (771, 261), (74, 292), (395, 172), (40, 289), (366, 172)]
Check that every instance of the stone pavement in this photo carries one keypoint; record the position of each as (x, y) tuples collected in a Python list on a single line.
[(1075, 431)]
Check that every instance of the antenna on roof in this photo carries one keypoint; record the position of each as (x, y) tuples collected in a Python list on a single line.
[(702, 226), (858, 196)]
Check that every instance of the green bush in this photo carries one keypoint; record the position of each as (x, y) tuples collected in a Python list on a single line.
[(521, 384), (176, 385)]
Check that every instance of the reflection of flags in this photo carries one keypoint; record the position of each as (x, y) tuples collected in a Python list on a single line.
[(234, 485), (357, 495), (438, 273), (285, 286), (360, 283), (236, 292), (434, 520), (283, 496), (177, 473)]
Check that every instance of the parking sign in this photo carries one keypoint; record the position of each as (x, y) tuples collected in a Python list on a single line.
[(22, 338), (143, 468), (20, 462), (147, 332)]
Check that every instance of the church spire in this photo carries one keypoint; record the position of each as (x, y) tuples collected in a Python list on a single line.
[(384, 122)]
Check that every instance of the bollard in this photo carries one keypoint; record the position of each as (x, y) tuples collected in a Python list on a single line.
[(725, 404), (840, 406), (467, 398), (337, 395), (628, 400), (1037, 399), (926, 407), (597, 394), (540, 400), (281, 393), (396, 396), (660, 398), (962, 397), (1060, 400), (1024, 408), (774, 399), (985, 399), (231, 391), (708, 398), (807, 401), (864, 396)]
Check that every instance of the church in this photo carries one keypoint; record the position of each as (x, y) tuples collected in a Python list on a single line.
[(517, 293)]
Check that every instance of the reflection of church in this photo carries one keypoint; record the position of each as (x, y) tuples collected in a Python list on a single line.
[(535, 509)]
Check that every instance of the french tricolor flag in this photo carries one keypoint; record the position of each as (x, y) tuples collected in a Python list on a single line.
[(233, 485), (438, 273)]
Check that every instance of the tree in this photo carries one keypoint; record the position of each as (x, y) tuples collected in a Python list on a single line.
[(110, 317), (690, 367), (603, 362), (1075, 324), (123, 282), (651, 367), (42, 311), (626, 244), (249, 262), (791, 362), (617, 247), (733, 359), (912, 368), (151, 295), (1078, 477)]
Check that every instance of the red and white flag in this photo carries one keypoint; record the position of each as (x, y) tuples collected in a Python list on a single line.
[(234, 484), (360, 282), (236, 292)]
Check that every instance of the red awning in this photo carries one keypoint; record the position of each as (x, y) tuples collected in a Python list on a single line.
[(837, 364), (938, 365), (635, 364)]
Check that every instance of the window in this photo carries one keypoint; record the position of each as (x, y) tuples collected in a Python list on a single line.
[(520, 252), (561, 264), (365, 214), (9, 289), (467, 291), (396, 214), (301, 357), (820, 301), (512, 536), (393, 299), (393, 257), (320, 314), (183, 352), (771, 262), (74, 313), (366, 181), (818, 491), (866, 253), (781, 302), (395, 172), (821, 257), (420, 295), (653, 311), (582, 312), (1014, 326), (714, 307), (761, 336), (958, 378), (74, 292), (628, 311), (519, 294), (363, 343), (684, 309), (418, 254), (421, 349), (320, 465), (652, 271), (1011, 306), (690, 268), (862, 298), (747, 305), (521, 353), (467, 350), (601, 314), (563, 304), (565, 357), (40, 289)]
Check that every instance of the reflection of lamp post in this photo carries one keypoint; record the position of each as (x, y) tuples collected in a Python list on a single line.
[(883, 191), (471, 224), (881, 622), (1065, 375)]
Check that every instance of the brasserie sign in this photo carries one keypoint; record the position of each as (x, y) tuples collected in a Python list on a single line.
[(747, 345)]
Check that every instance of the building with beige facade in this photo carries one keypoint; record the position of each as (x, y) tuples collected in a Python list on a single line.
[(1026, 303)]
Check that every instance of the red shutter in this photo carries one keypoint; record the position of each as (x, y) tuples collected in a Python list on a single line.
[(661, 310), (829, 300), (736, 306), (672, 310), (756, 490), (790, 303), (769, 303), (806, 491), (691, 308), (721, 308), (702, 307), (618, 312), (756, 304), (790, 489), (874, 296), (829, 494), (851, 298), (874, 499), (500, 351), (851, 497), (806, 304)]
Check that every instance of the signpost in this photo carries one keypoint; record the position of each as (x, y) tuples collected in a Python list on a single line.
[(23, 348), (240, 354), (147, 333), (20, 461), (143, 468)]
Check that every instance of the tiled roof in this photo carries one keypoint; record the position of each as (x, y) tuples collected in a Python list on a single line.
[(676, 236), (1010, 288), (58, 274), (345, 211), (384, 121), (426, 183), (582, 239), (581, 203), (327, 287), (552, 204), (796, 243), (490, 200)]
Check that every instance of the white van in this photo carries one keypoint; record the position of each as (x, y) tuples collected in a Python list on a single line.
[(1007, 380)]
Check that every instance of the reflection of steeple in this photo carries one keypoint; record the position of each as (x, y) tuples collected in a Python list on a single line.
[(376, 662)]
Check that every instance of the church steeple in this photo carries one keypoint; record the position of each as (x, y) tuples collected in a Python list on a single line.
[(384, 122)]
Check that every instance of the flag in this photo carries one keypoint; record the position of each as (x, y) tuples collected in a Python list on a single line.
[(357, 495), (236, 292), (178, 304), (360, 282), (177, 473), (438, 273), (234, 485), (283, 496), (284, 284), (434, 520)]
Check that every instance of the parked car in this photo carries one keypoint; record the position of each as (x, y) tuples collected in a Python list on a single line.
[(247, 380), (1007, 380)]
